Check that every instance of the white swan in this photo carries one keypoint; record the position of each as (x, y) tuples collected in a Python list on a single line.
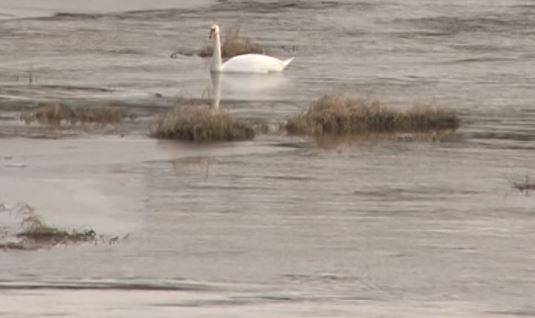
[(246, 63)]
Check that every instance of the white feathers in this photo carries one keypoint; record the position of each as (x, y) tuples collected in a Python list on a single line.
[(247, 63), (254, 63)]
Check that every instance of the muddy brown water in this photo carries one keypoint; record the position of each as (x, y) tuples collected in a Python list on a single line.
[(275, 227)]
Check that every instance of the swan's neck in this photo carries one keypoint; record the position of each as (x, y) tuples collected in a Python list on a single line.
[(216, 57)]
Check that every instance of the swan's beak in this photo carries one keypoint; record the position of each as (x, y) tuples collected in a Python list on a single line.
[(211, 34)]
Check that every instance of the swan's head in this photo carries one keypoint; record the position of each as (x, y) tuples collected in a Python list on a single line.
[(214, 31)]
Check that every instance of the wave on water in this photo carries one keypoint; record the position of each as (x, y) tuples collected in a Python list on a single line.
[(66, 9), (134, 284), (452, 25)]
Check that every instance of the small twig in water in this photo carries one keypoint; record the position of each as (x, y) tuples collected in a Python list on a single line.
[(30, 76)]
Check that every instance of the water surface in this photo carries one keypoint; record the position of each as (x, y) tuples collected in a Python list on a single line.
[(277, 226)]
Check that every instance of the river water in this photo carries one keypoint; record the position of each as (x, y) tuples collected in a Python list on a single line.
[(279, 226)]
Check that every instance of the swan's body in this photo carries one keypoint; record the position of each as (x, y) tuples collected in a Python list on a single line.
[(247, 63), (254, 63)]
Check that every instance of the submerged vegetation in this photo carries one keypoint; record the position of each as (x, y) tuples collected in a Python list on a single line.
[(233, 44), (524, 186), (37, 230), (201, 124), (56, 114), (36, 234), (339, 115)]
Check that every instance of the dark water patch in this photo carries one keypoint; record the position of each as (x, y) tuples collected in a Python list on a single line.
[(159, 14), (480, 48), (422, 34), (141, 107), (238, 301), (7, 118), (74, 16), (296, 145), (319, 278), (288, 178), (227, 187), (207, 303), (124, 51), (482, 60), (494, 145), (75, 88), (503, 135), (107, 286), (68, 88), (452, 25), (523, 6), (68, 16), (335, 142), (512, 128), (279, 298), (404, 194), (35, 133), (145, 15), (278, 6), (17, 33), (307, 278), (527, 56), (517, 313)]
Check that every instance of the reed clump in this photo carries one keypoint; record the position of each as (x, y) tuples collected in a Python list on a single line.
[(339, 115), (201, 124), (56, 114), (233, 44)]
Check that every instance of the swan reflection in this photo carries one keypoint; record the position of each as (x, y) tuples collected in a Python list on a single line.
[(245, 86), (215, 79)]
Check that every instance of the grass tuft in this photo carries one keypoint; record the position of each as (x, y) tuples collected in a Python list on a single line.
[(200, 124), (233, 44), (339, 115), (57, 114)]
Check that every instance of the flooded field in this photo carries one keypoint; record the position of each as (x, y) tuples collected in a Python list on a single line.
[(279, 226)]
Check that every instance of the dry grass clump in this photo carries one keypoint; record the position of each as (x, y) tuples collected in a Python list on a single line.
[(57, 114), (200, 124), (233, 44), (343, 115)]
